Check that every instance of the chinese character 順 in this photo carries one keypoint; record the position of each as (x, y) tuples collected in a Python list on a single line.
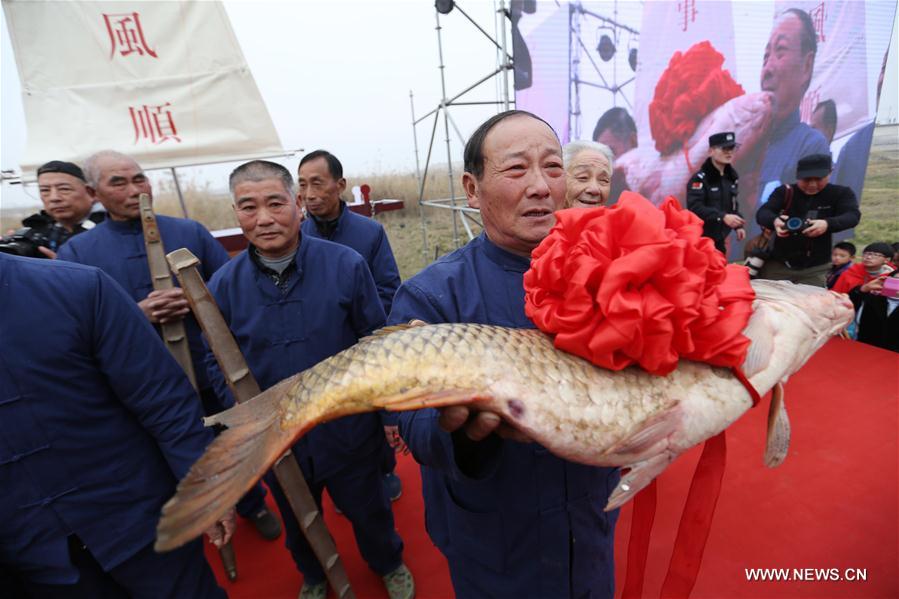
[(153, 123)]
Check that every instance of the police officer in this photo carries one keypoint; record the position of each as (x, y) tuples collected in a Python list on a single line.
[(712, 192)]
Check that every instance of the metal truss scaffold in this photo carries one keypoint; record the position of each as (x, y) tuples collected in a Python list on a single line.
[(461, 213)]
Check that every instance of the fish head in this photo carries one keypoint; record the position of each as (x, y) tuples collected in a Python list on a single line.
[(803, 317), (751, 115)]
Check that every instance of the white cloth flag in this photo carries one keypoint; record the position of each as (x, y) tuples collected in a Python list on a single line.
[(165, 82)]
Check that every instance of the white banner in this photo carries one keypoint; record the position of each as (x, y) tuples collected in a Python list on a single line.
[(165, 82)]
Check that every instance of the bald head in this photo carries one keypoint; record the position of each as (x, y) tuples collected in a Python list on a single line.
[(116, 180)]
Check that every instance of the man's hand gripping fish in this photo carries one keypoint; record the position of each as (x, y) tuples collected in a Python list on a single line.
[(576, 410)]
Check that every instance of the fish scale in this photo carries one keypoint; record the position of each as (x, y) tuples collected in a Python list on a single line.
[(502, 365)]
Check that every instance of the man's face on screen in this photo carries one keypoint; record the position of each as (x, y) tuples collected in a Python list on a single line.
[(785, 68)]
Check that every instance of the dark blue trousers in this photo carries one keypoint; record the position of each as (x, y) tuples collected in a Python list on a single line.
[(359, 493), (183, 572)]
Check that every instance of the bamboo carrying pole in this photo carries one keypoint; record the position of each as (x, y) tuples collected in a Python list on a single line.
[(173, 333), (244, 387)]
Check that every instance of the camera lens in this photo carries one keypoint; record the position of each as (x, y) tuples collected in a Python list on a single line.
[(794, 223)]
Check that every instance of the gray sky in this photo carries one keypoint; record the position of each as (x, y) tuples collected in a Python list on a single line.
[(336, 74)]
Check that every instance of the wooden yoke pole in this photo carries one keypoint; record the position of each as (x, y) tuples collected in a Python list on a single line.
[(244, 387), (173, 333)]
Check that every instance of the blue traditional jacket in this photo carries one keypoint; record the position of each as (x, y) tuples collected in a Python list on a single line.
[(326, 305), (366, 236), (523, 522), (117, 248), (97, 420), (790, 140)]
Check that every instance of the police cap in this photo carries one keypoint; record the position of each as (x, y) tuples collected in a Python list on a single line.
[(724, 139)]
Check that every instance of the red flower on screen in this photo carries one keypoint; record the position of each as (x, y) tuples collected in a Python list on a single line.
[(693, 85), (636, 284)]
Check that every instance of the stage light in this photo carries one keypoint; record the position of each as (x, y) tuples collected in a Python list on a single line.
[(606, 48), (444, 6), (632, 59)]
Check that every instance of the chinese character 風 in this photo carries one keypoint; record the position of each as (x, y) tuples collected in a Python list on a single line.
[(127, 35)]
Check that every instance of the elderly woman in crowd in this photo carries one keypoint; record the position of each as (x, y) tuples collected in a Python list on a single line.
[(588, 173)]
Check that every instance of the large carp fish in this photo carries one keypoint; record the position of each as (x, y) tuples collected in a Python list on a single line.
[(656, 177), (576, 410)]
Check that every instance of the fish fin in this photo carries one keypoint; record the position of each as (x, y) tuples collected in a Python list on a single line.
[(760, 332), (419, 397), (240, 415), (235, 460), (649, 437), (778, 442), (393, 329), (640, 475)]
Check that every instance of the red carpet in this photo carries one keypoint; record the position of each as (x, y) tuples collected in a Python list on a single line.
[(834, 504)]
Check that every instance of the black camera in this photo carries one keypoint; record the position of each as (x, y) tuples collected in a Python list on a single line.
[(25, 242), (795, 225), (756, 260)]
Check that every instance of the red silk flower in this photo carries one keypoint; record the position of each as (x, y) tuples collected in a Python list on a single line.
[(691, 87), (637, 284)]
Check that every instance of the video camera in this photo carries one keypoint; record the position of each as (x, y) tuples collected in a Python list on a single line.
[(25, 242)]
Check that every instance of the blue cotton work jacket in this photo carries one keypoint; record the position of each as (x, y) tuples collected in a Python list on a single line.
[(97, 420), (525, 523), (366, 236), (328, 303), (790, 140), (117, 248)]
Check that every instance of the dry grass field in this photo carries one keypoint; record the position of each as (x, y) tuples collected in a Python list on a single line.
[(880, 210)]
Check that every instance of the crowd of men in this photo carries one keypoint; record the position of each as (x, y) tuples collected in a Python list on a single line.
[(99, 423)]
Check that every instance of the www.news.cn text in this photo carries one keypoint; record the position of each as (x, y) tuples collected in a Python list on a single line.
[(807, 574)]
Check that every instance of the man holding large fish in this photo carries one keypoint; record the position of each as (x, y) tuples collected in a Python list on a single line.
[(511, 518), (519, 465)]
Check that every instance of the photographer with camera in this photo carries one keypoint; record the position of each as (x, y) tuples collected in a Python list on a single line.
[(67, 211), (804, 216)]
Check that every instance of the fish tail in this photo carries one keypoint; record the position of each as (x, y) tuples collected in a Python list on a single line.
[(232, 463)]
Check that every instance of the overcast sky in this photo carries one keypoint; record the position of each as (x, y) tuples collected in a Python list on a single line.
[(337, 74)]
